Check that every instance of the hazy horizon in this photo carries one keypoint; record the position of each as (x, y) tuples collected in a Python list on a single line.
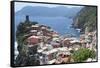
[(20, 5)]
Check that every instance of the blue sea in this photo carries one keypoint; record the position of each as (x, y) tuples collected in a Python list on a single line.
[(60, 24)]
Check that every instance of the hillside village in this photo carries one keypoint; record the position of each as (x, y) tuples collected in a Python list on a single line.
[(42, 45)]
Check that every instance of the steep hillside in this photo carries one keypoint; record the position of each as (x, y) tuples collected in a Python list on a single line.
[(86, 19)]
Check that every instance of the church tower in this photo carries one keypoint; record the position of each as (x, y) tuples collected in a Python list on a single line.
[(27, 18)]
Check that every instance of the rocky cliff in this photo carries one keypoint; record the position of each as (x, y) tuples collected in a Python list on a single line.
[(86, 19)]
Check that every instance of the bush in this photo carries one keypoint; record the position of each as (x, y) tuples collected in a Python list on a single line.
[(83, 54)]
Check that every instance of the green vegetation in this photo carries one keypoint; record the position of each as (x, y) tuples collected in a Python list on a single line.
[(83, 54), (21, 31), (23, 57), (22, 28), (86, 18)]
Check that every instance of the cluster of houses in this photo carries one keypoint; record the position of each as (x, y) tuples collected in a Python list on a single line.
[(54, 49), (50, 46)]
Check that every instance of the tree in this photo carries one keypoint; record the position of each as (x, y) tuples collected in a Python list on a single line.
[(83, 54)]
